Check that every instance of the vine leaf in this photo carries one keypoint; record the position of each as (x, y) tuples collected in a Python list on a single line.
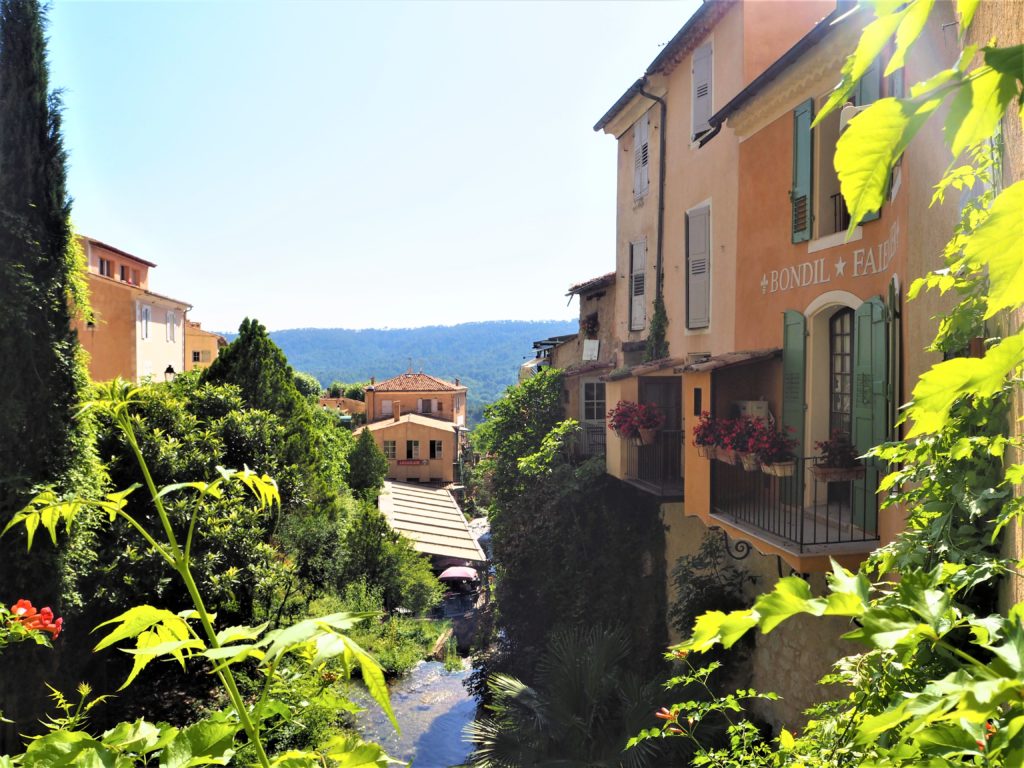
[(995, 245), (978, 107)]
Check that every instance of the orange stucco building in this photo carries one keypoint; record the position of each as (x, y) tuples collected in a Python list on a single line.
[(201, 347), (135, 333), (418, 421)]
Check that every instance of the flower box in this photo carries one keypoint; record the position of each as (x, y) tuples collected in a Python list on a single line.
[(707, 451), (727, 456), (750, 461), (836, 474), (779, 468), (647, 435)]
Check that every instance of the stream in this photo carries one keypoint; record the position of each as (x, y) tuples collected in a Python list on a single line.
[(432, 707)]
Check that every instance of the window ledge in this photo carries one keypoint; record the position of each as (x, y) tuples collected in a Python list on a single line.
[(831, 241)]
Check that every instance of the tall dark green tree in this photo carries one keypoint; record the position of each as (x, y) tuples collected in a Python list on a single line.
[(40, 377), (259, 368), (367, 465)]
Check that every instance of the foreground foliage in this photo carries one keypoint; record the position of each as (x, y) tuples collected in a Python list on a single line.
[(940, 681)]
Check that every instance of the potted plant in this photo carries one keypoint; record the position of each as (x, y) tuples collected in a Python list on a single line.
[(774, 450), (744, 440), (636, 420), (838, 461), (706, 436), (727, 441)]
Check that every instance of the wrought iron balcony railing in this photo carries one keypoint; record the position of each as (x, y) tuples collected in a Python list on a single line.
[(657, 468)]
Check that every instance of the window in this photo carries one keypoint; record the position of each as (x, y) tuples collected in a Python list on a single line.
[(436, 449), (425, 406), (412, 449), (386, 407), (106, 267), (172, 320), (195, 356), (135, 277), (390, 449), (840, 343), (698, 268), (593, 401), (641, 156), (637, 277), (440, 406), (701, 96), (124, 273), (144, 317), (818, 209)]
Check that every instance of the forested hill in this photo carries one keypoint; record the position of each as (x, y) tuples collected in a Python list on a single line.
[(485, 356)]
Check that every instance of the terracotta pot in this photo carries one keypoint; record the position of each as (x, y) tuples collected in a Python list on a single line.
[(779, 468), (750, 461), (647, 436), (836, 474)]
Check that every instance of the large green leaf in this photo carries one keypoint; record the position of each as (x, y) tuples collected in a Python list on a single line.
[(792, 595), (208, 742), (945, 383), (58, 749), (978, 107), (909, 30), (136, 620), (998, 245)]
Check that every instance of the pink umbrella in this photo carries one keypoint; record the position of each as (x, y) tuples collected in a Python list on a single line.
[(458, 573)]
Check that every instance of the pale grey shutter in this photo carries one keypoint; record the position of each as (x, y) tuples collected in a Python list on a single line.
[(698, 268), (701, 97), (638, 276), (641, 156)]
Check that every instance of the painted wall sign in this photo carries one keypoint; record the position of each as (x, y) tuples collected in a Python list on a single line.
[(411, 462), (865, 261)]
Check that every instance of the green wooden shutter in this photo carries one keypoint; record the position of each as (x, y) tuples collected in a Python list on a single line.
[(800, 194), (698, 268), (870, 402), (794, 373), (868, 88)]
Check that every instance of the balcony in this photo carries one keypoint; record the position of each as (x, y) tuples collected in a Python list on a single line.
[(657, 468), (589, 441), (801, 514)]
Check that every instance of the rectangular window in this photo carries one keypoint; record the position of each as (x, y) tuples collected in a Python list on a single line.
[(436, 449), (637, 278), (172, 320), (425, 406), (701, 97), (106, 267), (124, 274), (593, 401), (135, 277), (195, 356), (390, 449), (698, 268), (641, 157), (204, 355), (144, 317), (386, 407), (412, 449)]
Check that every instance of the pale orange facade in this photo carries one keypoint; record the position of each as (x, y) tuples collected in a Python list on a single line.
[(417, 393), (201, 347), (135, 333), (418, 448)]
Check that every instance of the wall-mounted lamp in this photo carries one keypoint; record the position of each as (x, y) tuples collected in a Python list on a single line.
[(169, 373)]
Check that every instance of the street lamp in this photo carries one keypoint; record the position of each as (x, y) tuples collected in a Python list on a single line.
[(169, 374)]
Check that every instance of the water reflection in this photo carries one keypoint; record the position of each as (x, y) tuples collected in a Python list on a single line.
[(432, 707)]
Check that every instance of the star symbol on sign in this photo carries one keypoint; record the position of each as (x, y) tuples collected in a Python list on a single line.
[(840, 267), (764, 283)]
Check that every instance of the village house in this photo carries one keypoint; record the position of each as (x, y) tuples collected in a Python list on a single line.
[(418, 421), (201, 347), (135, 333), (730, 212)]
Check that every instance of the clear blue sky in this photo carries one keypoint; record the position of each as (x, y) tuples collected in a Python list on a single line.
[(342, 164)]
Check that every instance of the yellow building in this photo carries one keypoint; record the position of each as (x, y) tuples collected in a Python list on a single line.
[(135, 333), (201, 347), (417, 393)]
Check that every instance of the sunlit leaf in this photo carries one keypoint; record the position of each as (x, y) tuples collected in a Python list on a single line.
[(977, 108), (996, 245), (909, 30)]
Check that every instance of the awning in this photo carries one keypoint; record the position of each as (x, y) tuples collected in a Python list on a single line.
[(731, 358), (431, 519), (459, 573)]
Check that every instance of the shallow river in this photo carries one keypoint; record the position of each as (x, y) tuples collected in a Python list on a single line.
[(432, 708)]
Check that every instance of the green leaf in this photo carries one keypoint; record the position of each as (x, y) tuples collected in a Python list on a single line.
[(966, 9), (873, 40), (977, 108), (792, 595), (236, 634), (373, 677), (909, 30), (996, 245), (351, 752), (869, 146), (137, 620), (786, 740), (946, 382), (139, 737), (208, 742), (58, 749)]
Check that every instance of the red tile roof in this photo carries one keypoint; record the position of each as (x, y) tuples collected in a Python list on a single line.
[(414, 382)]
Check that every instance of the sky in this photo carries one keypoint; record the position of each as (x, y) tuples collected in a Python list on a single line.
[(352, 165)]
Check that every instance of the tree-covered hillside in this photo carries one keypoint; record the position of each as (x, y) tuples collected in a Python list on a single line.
[(484, 356)]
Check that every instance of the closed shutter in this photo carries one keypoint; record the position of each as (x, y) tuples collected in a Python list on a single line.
[(800, 194), (386, 408), (701, 75), (868, 88), (698, 268), (794, 372), (870, 402), (641, 156), (637, 279)]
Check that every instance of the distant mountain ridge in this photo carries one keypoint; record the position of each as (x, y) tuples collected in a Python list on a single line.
[(485, 356)]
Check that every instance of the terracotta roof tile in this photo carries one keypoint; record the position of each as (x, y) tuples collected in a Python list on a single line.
[(415, 382)]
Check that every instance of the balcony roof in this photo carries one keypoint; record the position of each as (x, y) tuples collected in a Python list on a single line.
[(732, 358)]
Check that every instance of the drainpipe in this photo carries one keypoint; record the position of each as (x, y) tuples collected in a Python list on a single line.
[(658, 275)]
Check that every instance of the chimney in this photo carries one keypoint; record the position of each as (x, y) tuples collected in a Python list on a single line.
[(372, 381), (397, 409), (456, 381)]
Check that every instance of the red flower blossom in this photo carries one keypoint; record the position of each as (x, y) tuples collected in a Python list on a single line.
[(25, 614)]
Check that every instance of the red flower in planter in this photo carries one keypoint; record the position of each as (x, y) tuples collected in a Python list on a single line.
[(628, 418)]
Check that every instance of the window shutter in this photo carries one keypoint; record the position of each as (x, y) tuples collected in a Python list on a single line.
[(794, 373), (638, 276), (868, 88), (641, 156), (701, 97), (800, 194), (870, 401), (698, 268)]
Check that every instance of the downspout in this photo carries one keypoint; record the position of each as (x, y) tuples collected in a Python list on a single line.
[(658, 275)]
